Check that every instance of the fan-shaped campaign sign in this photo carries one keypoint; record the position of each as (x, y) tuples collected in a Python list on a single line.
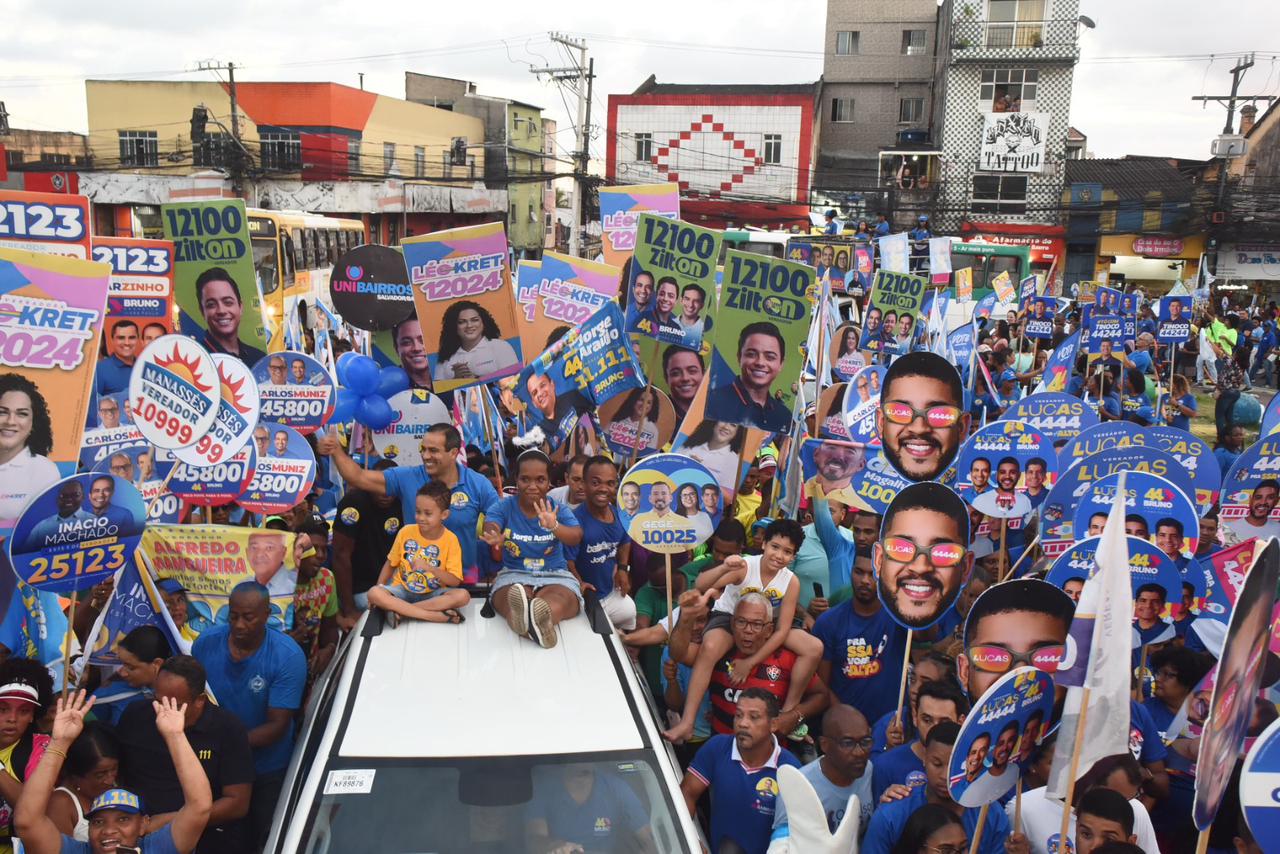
[(173, 392), (1196, 457), (1005, 469), (999, 735), (415, 410), (1147, 565), (861, 402), (1271, 416), (283, 474), (77, 532), (1060, 417), (1251, 492), (236, 419), (295, 390), (1155, 511), (670, 503)]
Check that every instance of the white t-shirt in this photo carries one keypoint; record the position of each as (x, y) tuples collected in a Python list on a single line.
[(990, 787), (488, 357), (753, 583), (20, 478), (1042, 821), (721, 462), (1238, 530)]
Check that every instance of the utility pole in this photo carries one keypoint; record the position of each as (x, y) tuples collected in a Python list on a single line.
[(241, 154), (581, 76)]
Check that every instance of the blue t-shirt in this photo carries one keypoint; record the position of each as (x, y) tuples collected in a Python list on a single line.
[(866, 656), (272, 678), (1182, 422), (160, 842), (596, 557), (526, 545), (1226, 459), (1141, 361), (899, 765), (600, 823), (1138, 409), (743, 799), (1144, 738), (880, 731), (111, 376), (474, 495), (889, 820)]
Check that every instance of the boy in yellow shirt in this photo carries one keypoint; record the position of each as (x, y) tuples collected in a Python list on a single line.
[(427, 560)]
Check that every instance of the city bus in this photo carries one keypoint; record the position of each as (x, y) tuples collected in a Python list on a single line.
[(988, 260), (293, 254)]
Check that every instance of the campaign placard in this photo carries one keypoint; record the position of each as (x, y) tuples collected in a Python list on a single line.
[(591, 364), (1002, 286), (283, 474), (146, 467), (1155, 511), (999, 735), (830, 468), (1057, 513), (415, 409), (1028, 290), (1038, 323), (218, 483), (135, 601), (100, 442), (77, 532), (757, 346), (1195, 455), (640, 422), (892, 312), (620, 210), (1258, 784), (964, 284), (51, 312), (1250, 493), (1271, 416), (1057, 371), (214, 278), (1005, 469), (174, 392), (1238, 680), (862, 404), (558, 293), (929, 518), (1147, 565), (237, 415), (210, 560), (1174, 320), (139, 304), (829, 413), (295, 390), (838, 258), (877, 483), (1060, 417), (50, 223), (724, 448), (370, 287), (846, 358), (670, 503), (1104, 328), (1101, 437), (465, 305), (671, 294)]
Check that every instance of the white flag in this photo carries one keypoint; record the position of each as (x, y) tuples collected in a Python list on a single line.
[(939, 256), (895, 251), (1095, 669)]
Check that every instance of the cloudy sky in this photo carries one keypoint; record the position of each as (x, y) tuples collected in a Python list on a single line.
[(1140, 67)]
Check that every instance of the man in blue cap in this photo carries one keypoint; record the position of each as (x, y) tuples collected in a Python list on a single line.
[(919, 237), (832, 227), (117, 818)]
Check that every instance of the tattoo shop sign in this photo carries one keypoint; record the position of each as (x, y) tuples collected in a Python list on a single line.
[(1014, 142)]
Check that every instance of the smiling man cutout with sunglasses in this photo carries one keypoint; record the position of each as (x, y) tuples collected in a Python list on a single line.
[(921, 419), (1017, 623), (922, 558)]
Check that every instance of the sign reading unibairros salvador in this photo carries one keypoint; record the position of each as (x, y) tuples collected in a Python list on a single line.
[(174, 392), (1014, 142)]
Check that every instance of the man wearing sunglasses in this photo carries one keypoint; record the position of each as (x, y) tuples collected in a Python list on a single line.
[(921, 420), (922, 558), (1020, 622)]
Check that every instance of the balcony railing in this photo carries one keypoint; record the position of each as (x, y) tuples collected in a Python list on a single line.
[(1045, 40)]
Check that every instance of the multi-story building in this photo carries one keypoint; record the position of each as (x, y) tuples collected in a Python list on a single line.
[(550, 167), (1007, 85), (514, 139), (879, 111), (741, 154), (1245, 225), (41, 160)]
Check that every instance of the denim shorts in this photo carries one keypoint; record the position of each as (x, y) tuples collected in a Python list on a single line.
[(404, 594), (536, 580)]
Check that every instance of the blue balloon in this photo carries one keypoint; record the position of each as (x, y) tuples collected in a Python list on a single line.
[(374, 412), (391, 381), (362, 376), (344, 361), (345, 409)]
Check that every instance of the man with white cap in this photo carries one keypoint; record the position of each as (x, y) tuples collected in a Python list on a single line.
[(117, 818)]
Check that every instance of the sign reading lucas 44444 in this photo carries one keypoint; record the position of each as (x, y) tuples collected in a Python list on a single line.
[(1014, 142)]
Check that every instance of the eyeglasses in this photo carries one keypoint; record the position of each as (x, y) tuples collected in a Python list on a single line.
[(744, 623), (939, 555), (862, 745), (993, 658), (898, 412)]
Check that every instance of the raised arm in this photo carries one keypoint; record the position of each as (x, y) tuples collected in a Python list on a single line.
[(356, 476), (31, 820), (189, 822)]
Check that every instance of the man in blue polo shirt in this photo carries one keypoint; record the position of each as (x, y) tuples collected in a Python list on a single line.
[(904, 765), (111, 375), (749, 399), (258, 675), (601, 558), (577, 807), (471, 493), (742, 773)]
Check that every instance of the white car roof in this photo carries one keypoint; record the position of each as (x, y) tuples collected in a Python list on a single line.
[(476, 689)]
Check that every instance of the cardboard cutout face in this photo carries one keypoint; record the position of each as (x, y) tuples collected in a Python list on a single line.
[(922, 559), (921, 420)]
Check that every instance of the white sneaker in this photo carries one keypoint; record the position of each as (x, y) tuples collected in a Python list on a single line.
[(542, 624), (517, 609)]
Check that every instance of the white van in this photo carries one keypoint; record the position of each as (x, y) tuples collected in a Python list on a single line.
[(454, 738)]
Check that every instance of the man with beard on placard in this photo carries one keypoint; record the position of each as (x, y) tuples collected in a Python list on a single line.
[(922, 420), (922, 558)]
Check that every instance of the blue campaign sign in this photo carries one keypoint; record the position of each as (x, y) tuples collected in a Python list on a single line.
[(97, 445), (295, 390), (1057, 513), (960, 342), (1004, 470), (1000, 734), (1260, 785), (1105, 327), (146, 467), (1155, 510), (217, 484), (77, 532), (1251, 493), (1195, 455), (283, 473), (861, 403), (877, 484), (1057, 371), (1061, 417), (830, 469), (1175, 320), (1271, 416), (1039, 319), (670, 503), (1147, 565), (1100, 437), (985, 306)]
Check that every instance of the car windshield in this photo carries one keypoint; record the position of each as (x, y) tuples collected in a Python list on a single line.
[(611, 804)]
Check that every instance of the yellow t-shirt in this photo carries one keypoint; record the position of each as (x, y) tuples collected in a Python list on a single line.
[(418, 560)]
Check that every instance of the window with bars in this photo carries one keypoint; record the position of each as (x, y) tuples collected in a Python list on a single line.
[(353, 156), (847, 43), (644, 147), (1008, 90), (913, 42), (281, 150), (999, 194), (389, 158), (213, 149), (1015, 23), (419, 161), (772, 149), (910, 110), (139, 148), (841, 109)]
